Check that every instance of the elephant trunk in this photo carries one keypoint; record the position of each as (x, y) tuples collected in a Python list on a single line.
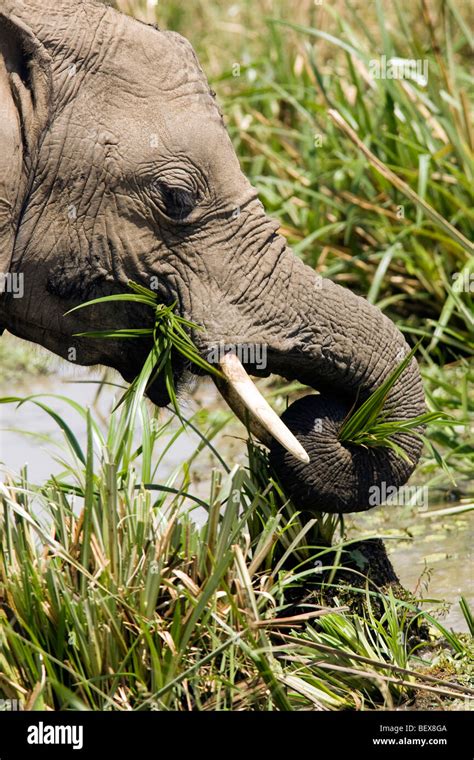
[(342, 346)]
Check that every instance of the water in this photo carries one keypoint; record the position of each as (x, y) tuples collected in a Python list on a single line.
[(29, 435), (431, 554)]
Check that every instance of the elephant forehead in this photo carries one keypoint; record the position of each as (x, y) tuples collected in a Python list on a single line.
[(155, 63), (148, 90)]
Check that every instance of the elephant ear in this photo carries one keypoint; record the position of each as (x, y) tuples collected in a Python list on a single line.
[(24, 109)]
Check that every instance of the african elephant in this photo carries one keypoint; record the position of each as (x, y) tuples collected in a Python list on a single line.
[(116, 166)]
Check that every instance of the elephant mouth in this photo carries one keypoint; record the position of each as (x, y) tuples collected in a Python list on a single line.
[(238, 390)]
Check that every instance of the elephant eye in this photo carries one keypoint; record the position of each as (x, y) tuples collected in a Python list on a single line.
[(177, 202)]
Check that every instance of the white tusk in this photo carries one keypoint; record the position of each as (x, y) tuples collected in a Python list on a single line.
[(240, 388)]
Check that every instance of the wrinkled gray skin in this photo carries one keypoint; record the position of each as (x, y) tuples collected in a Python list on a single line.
[(115, 165)]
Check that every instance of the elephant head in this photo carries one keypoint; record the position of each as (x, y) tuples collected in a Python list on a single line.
[(116, 166)]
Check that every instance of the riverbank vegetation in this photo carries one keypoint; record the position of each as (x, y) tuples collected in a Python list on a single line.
[(114, 596)]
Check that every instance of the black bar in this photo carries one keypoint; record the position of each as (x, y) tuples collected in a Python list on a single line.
[(118, 734)]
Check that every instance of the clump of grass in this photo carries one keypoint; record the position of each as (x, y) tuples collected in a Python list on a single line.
[(169, 333), (368, 426)]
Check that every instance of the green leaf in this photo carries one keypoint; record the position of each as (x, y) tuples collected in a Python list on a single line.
[(368, 426)]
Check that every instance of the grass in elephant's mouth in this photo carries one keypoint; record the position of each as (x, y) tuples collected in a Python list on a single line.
[(170, 332)]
